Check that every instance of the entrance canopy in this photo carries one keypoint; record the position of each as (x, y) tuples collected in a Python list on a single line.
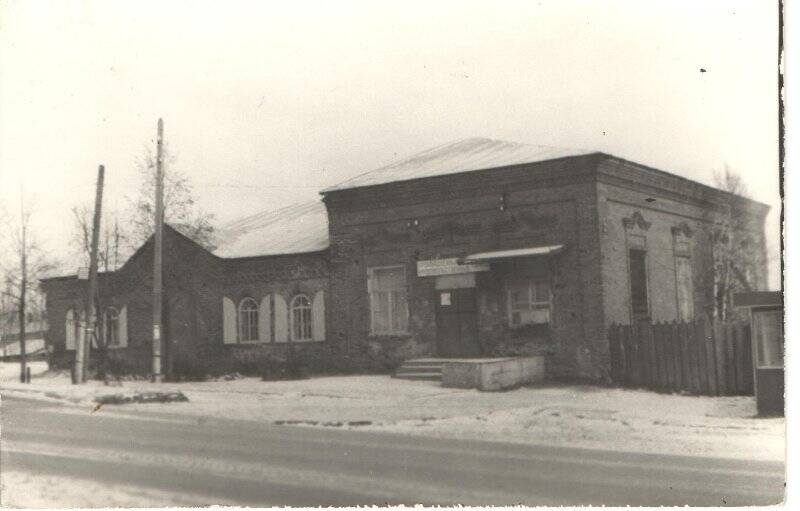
[(509, 254)]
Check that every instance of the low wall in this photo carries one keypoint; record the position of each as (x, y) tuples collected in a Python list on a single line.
[(492, 374)]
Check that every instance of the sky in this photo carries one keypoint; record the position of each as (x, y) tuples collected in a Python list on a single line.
[(266, 103)]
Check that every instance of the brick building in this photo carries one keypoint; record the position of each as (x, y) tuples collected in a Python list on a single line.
[(478, 247)]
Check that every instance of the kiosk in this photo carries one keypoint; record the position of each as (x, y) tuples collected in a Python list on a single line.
[(766, 326)]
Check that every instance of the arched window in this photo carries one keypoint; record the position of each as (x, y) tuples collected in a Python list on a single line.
[(248, 320), (301, 318), (111, 327)]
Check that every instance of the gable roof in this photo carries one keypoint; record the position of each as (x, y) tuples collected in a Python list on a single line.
[(465, 155), (293, 229)]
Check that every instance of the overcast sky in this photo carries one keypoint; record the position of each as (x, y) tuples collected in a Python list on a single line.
[(265, 103)]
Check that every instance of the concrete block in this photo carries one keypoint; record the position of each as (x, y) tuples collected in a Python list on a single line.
[(492, 374)]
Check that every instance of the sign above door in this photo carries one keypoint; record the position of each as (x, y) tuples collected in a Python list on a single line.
[(449, 266)]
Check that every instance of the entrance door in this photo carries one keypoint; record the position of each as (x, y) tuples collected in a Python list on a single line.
[(457, 323)]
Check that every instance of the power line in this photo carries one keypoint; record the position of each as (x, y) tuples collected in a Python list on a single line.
[(254, 187)]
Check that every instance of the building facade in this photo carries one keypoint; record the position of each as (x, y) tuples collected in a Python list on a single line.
[(476, 248)]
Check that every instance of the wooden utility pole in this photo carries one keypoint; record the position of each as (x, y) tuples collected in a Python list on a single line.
[(23, 290), (157, 252), (89, 306)]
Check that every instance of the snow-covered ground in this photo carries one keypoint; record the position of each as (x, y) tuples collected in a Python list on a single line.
[(558, 415), (24, 490)]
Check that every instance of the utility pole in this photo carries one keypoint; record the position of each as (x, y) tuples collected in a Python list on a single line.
[(82, 355), (23, 289), (116, 243), (157, 252)]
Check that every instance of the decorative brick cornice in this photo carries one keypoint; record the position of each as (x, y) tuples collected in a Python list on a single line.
[(620, 172)]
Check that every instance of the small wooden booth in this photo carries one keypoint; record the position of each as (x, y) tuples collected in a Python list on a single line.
[(766, 325)]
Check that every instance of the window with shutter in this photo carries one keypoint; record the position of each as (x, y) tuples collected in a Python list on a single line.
[(228, 321), (319, 316), (281, 319), (265, 319), (123, 327)]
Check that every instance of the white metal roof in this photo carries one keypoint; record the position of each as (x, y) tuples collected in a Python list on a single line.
[(508, 254), (461, 156), (304, 227), (291, 230)]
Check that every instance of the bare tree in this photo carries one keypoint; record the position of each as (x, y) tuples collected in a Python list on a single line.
[(21, 266), (737, 247), (113, 248), (180, 209)]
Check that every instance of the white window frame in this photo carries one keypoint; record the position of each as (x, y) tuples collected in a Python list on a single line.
[(106, 337), (391, 319), (250, 324), (306, 323), (533, 302)]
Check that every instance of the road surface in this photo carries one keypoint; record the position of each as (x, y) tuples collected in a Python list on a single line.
[(254, 464)]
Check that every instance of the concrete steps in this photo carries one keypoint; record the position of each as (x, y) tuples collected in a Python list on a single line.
[(420, 369)]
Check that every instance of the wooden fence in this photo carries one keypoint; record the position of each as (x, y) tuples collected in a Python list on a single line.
[(701, 357)]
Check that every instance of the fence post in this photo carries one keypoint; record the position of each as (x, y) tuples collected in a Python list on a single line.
[(735, 343), (747, 356), (652, 371), (628, 356), (674, 381), (614, 352), (700, 367), (741, 359), (655, 339), (730, 360), (681, 380), (640, 374), (711, 357), (662, 353), (719, 353), (686, 355), (623, 346)]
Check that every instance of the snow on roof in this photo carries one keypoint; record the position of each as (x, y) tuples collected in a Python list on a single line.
[(461, 156), (290, 230), (304, 227)]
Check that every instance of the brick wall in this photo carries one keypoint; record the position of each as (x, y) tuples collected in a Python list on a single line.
[(665, 203), (195, 282), (546, 204), (582, 203)]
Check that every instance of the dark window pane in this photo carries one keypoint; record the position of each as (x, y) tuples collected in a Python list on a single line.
[(638, 269)]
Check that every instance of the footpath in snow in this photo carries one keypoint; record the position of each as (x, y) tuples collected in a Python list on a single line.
[(559, 415)]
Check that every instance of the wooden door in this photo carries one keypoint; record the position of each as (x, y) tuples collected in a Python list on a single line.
[(457, 323)]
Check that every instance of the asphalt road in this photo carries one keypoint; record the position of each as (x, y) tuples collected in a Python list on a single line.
[(249, 463)]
